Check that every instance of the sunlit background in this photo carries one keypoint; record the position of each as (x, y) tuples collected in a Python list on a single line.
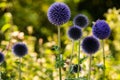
[(26, 21)]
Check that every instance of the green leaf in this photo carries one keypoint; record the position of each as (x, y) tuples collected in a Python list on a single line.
[(5, 27), (100, 66), (55, 48), (80, 78), (83, 59), (17, 62), (59, 62), (109, 56)]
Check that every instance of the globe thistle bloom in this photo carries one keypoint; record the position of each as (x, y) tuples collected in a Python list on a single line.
[(74, 68), (74, 32), (101, 29), (90, 45), (1, 57), (58, 13), (81, 20), (20, 49)]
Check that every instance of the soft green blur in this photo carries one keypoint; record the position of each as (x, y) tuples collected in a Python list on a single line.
[(26, 21)]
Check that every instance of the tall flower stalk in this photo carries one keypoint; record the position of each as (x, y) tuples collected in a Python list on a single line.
[(19, 66), (58, 14), (103, 60), (78, 59), (81, 21), (74, 33), (59, 52), (101, 30), (20, 50), (71, 57), (89, 74), (90, 46)]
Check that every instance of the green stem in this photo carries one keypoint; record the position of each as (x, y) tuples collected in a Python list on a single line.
[(1, 72), (89, 67), (103, 60), (59, 47), (71, 59), (78, 59), (0, 75), (19, 66)]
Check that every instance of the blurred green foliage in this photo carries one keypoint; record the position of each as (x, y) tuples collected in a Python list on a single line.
[(26, 21)]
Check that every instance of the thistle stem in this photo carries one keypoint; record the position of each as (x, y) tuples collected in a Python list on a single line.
[(59, 47), (0, 75), (89, 67), (71, 59), (78, 59), (103, 60), (19, 66)]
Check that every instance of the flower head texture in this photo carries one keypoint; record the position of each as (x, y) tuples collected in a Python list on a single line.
[(1, 57), (20, 49), (58, 13), (74, 32), (101, 29), (90, 45), (81, 20)]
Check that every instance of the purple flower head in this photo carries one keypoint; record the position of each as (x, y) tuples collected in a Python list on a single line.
[(74, 32), (58, 13), (81, 20), (90, 45), (74, 68), (101, 29), (20, 49), (1, 57)]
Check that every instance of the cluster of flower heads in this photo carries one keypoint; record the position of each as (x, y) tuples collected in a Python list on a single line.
[(79, 21), (59, 13), (100, 30), (19, 49)]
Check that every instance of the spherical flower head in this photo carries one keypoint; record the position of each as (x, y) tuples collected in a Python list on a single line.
[(58, 13), (1, 57), (74, 32), (81, 20), (101, 29), (90, 45), (20, 49), (74, 68)]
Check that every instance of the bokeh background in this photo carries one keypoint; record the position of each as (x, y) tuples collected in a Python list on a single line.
[(26, 21)]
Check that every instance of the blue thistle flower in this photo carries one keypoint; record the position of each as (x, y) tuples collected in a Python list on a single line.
[(20, 49), (81, 20), (101, 29), (74, 32), (74, 68), (1, 57), (58, 13), (90, 45)]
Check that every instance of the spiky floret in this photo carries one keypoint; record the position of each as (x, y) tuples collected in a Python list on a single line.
[(81, 20), (58, 13), (20, 49), (74, 32), (90, 45), (101, 29)]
